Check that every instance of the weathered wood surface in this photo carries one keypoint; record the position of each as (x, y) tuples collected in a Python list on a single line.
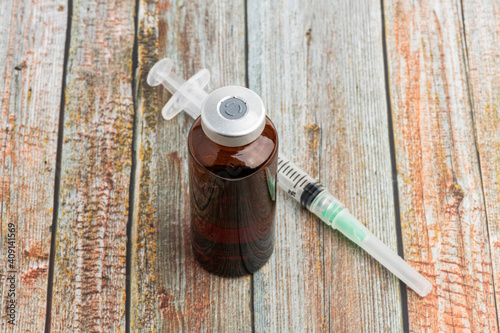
[(482, 35), (90, 254), (170, 290), (320, 71), (442, 205), (31, 66)]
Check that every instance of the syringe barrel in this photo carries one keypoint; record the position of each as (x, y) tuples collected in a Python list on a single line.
[(296, 182), (196, 96)]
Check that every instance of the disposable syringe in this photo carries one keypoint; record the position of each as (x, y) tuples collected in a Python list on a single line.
[(312, 195), (189, 95)]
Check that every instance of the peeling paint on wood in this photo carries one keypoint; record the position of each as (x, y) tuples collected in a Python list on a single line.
[(442, 208), (90, 254), (320, 71), (146, 302), (31, 66), (170, 290), (482, 32)]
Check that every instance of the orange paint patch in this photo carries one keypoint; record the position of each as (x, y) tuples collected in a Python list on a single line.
[(164, 298), (164, 6), (32, 274)]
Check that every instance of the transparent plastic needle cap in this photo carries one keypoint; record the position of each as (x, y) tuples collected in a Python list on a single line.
[(331, 211), (187, 95)]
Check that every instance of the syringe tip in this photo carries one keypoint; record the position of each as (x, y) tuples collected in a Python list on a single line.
[(159, 71)]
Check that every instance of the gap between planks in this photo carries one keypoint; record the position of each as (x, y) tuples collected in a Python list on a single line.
[(57, 182)]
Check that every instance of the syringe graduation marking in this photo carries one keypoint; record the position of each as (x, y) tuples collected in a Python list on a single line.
[(281, 167), (297, 183)]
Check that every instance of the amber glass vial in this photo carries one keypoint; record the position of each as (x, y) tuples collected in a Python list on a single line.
[(233, 155)]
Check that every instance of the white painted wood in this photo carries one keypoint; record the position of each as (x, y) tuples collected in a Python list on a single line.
[(170, 290), (442, 205), (90, 254), (319, 69), (31, 67), (482, 39)]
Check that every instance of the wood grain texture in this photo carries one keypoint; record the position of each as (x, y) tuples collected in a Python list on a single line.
[(31, 66), (170, 290), (320, 71), (482, 35), (90, 254), (442, 205)]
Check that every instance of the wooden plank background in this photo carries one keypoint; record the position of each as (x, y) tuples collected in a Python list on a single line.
[(394, 104), (170, 290), (91, 238), (443, 218), (31, 67), (321, 75), (482, 56)]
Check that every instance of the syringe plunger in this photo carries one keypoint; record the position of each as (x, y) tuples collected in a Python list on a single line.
[(187, 95)]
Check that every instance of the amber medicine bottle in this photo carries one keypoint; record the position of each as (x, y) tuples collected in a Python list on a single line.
[(233, 156)]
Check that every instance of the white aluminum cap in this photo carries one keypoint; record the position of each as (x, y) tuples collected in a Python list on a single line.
[(233, 116)]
